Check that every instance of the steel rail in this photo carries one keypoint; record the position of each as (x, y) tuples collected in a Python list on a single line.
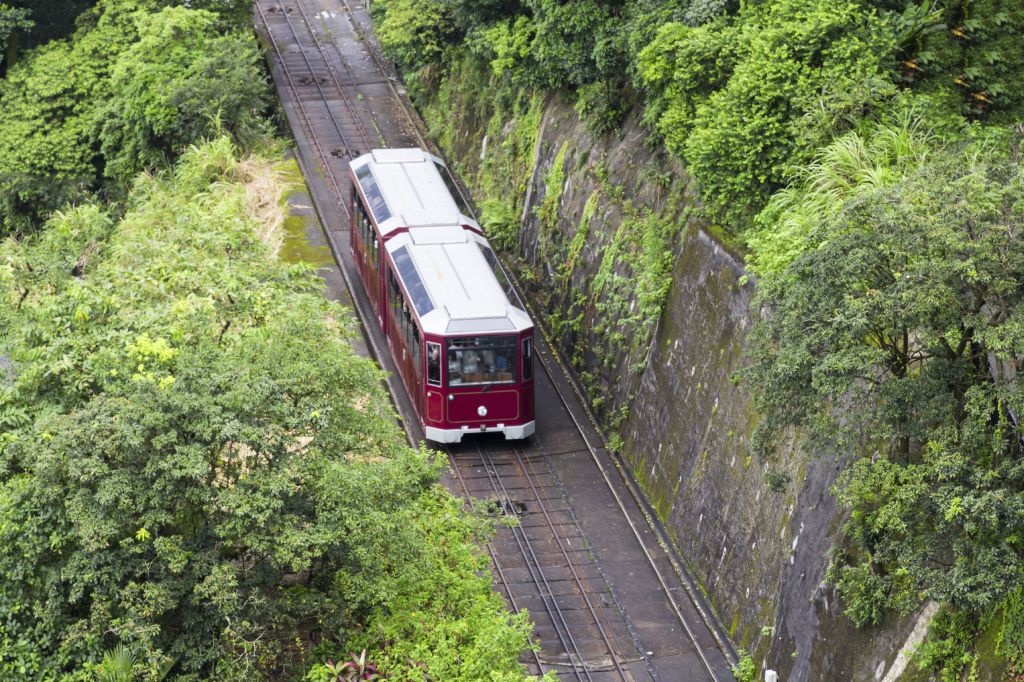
[(314, 79), (379, 61), (633, 527), (531, 560), (324, 164), (680, 572), (307, 119), (569, 562), (514, 292), (627, 621), (349, 106), (494, 557)]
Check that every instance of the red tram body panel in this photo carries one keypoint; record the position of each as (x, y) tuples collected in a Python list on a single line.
[(464, 352)]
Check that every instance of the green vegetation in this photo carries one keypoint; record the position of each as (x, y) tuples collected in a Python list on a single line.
[(12, 20), (196, 466), (746, 669), (733, 95), (866, 155), (132, 87), (199, 479), (745, 92), (890, 338), (554, 181), (632, 281)]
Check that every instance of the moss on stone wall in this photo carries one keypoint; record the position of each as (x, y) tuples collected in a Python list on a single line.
[(597, 247), (608, 248), (488, 132)]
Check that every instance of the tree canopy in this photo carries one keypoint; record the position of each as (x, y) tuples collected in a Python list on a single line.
[(12, 19), (865, 157), (745, 93), (195, 465), (897, 336), (133, 87)]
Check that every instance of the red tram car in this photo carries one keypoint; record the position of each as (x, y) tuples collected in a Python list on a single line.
[(464, 352)]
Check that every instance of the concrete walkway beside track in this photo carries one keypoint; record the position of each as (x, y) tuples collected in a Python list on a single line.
[(610, 599)]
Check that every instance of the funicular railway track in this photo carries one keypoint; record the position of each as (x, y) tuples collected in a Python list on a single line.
[(338, 136), (544, 561)]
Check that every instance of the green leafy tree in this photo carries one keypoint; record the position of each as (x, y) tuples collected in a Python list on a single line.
[(891, 338), (859, 162), (131, 88), (730, 95), (967, 53), (472, 14), (231, 13), (195, 465), (49, 104), (12, 19), (179, 82), (415, 33), (39, 22)]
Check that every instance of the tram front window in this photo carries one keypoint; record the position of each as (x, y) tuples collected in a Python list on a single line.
[(481, 360)]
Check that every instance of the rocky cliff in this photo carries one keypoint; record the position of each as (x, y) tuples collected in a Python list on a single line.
[(651, 307)]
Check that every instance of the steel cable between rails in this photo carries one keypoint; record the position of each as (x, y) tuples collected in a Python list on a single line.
[(307, 119), (572, 568), (455, 462), (677, 609), (490, 550), (645, 655), (538, 577), (513, 291), (528, 476), (351, 282), (346, 100)]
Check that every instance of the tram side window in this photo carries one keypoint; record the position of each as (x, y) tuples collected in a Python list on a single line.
[(394, 292), (416, 345), (405, 323), (527, 359), (481, 360), (368, 236), (397, 305), (433, 364), (374, 249)]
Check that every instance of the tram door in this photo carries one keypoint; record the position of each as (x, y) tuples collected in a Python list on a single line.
[(434, 408), (527, 395)]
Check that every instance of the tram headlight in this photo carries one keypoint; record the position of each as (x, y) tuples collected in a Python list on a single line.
[(482, 411)]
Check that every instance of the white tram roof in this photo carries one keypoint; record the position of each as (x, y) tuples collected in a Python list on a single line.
[(408, 188), (451, 284)]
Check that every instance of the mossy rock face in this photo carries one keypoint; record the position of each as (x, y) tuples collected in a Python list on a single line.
[(603, 222), (990, 665)]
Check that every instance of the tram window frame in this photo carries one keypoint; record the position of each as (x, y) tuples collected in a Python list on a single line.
[(433, 363), (405, 324), (484, 354), (527, 360), (369, 236)]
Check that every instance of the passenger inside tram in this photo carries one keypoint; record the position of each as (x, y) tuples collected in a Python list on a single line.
[(478, 360)]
